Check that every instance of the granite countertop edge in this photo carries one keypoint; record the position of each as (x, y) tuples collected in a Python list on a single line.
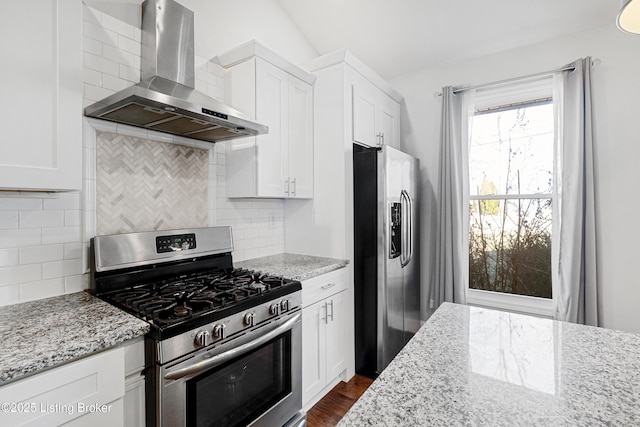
[(293, 266), (75, 326)]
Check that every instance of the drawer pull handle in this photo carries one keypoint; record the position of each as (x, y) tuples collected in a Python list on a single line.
[(330, 285)]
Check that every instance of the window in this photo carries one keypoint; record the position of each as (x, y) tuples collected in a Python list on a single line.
[(511, 201)]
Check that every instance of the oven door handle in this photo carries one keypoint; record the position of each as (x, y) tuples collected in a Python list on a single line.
[(218, 359)]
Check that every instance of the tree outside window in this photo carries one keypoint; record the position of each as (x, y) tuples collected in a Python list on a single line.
[(511, 167)]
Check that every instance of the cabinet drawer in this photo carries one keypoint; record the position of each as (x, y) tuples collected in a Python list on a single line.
[(320, 287), (133, 356), (67, 392)]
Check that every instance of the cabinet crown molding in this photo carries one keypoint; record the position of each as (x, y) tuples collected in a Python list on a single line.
[(254, 48), (345, 56)]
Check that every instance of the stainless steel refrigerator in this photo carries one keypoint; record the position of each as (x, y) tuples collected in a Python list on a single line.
[(386, 255)]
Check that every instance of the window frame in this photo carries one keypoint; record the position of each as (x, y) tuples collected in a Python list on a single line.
[(513, 98)]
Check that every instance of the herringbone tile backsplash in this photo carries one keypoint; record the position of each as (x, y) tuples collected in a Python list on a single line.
[(144, 185)]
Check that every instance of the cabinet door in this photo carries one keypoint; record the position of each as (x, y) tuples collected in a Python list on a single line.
[(335, 335), (300, 139), (134, 406), (364, 117), (388, 121), (41, 86), (314, 373), (272, 86)]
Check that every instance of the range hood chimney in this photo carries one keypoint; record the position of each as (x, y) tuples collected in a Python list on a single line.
[(165, 99)]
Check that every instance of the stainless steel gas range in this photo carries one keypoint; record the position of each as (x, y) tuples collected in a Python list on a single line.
[(225, 344)]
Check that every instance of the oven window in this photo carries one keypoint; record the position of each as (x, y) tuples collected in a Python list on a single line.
[(239, 391)]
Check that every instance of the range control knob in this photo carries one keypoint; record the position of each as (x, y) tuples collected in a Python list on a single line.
[(284, 305), (249, 318), (274, 309), (218, 330), (203, 338)]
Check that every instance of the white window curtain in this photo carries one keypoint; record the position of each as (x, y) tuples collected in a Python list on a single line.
[(451, 272), (574, 226), (577, 288)]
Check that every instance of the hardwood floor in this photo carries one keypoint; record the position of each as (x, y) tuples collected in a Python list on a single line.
[(330, 410)]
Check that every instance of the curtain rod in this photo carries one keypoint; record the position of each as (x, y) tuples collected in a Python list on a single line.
[(512, 79)]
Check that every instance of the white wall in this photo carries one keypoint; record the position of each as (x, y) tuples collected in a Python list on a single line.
[(616, 91), (222, 24)]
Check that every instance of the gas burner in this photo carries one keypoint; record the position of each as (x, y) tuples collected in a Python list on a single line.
[(182, 311), (260, 287)]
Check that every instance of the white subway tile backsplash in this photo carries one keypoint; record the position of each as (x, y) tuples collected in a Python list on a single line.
[(20, 274), (119, 27), (73, 250), (129, 73), (51, 270), (41, 289), (100, 63), (9, 257), (19, 204), (91, 15), (95, 93), (92, 46), (76, 283), (99, 33), (92, 77), (9, 295), (63, 201), (20, 237), (114, 83), (40, 254), (8, 220), (128, 44), (114, 53), (61, 235), (39, 219), (72, 218)]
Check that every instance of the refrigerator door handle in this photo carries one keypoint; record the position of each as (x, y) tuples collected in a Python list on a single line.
[(407, 229)]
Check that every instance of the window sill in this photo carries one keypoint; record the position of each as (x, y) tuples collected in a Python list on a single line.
[(542, 307)]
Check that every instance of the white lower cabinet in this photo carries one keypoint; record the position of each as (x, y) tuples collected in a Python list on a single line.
[(134, 400), (86, 392), (324, 346), (104, 390)]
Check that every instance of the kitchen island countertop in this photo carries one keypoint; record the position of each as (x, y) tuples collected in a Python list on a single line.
[(470, 366), (42, 334), (293, 266)]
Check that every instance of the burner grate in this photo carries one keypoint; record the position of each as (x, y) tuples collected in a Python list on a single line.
[(175, 300)]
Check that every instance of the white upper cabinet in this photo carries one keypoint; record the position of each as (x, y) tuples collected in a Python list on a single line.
[(376, 117), (41, 86), (278, 94)]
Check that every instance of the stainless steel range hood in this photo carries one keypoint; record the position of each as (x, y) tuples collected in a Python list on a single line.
[(165, 99)]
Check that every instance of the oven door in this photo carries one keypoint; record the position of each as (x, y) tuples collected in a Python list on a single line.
[(253, 380)]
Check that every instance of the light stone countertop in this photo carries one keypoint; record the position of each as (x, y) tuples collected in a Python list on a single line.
[(42, 334), (293, 266), (470, 366)]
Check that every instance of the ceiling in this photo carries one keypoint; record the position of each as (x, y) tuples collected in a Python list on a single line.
[(403, 36)]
